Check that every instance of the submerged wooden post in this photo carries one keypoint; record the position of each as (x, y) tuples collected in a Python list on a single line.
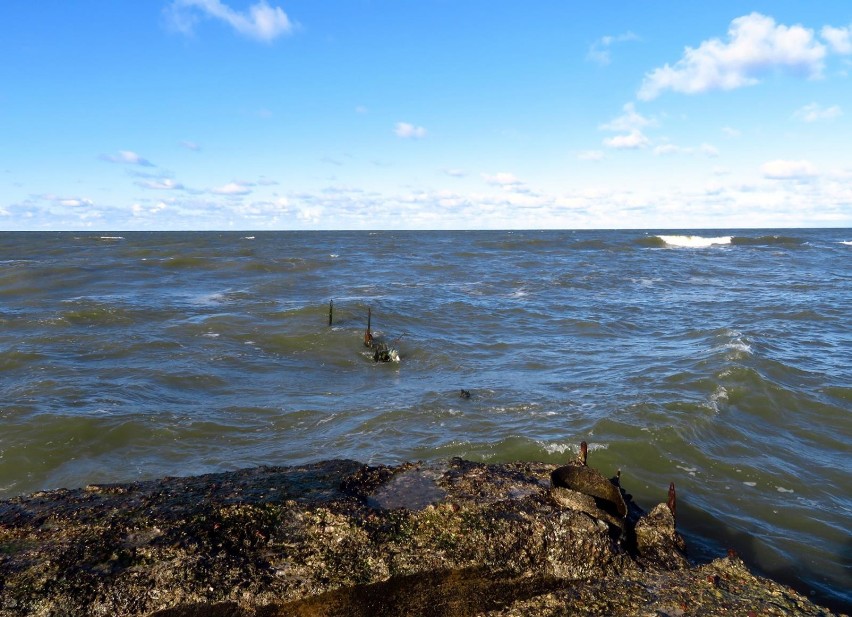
[(330, 310), (368, 336)]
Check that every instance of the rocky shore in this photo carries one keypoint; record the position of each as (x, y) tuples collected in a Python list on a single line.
[(451, 538)]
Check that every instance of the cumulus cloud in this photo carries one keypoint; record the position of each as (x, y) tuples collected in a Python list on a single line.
[(814, 112), (409, 131), (731, 133), (160, 184), (127, 157), (503, 179), (73, 202), (839, 39), (756, 46), (591, 155), (633, 140), (628, 121), (600, 50), (788, 170), (261, 22), (233, 188)]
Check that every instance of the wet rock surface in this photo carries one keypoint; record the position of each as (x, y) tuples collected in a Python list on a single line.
[(341, 538)]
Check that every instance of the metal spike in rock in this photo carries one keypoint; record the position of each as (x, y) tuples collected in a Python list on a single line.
[(330, 311), (672, 501), (584, 452)]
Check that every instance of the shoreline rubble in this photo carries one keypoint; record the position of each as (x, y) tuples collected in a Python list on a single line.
[(443, 538)]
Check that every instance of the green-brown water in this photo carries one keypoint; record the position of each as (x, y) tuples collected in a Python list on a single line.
[(720, 362)]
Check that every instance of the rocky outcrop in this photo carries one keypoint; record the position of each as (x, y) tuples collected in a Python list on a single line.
[(448, 538)]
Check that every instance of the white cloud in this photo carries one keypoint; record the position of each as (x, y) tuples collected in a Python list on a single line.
[(705, 149), (160, 184), (634, 140), (73, 202), (839, 39), (628, 121), (455, 173), (409, 131), (815, 112), (788, 170), (503, 179), (190, 145), (591, 155), (127, 157), (261, 22), (756, 46), (234, 188), (731, 133), (599, 51)]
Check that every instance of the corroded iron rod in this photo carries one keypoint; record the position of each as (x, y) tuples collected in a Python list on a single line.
[(672, 501)]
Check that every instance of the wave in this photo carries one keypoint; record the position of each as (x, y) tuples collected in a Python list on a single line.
[(692, 241), (767, 241), (846, 242), (695, 242)]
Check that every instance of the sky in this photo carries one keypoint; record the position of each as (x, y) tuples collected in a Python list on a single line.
[(424, 114)]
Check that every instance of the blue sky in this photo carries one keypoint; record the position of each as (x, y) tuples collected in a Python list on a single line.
[(430, 114)]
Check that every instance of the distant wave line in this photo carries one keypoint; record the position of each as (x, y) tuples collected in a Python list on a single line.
[(695, 241)]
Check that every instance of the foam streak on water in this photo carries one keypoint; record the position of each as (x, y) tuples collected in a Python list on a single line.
[(715, 359)]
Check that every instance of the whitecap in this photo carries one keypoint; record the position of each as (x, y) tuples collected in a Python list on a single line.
[(248, 237), (721, 394), (739, 346), (112, 237), (846, 242), (695, 242), (690, 470), (781, 489), (557, 447), (750, 483)]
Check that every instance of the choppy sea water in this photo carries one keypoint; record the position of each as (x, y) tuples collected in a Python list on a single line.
[(720, 360)]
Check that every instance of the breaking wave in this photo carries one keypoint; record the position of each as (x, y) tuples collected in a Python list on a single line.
[(695, 242)]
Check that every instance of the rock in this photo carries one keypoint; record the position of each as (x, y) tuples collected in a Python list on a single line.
[(451, 538)]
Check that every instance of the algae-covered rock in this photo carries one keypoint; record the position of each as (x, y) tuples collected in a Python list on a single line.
[(341, 538)]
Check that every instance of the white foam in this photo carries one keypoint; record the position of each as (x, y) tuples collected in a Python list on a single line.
[(781, 489), (750, 483), (248, 237), (738, 349), (846, 242), (690, 470), (556, 447), (695, 242), (112, 237)]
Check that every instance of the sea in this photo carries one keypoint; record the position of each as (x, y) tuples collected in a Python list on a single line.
[(720, 360)]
